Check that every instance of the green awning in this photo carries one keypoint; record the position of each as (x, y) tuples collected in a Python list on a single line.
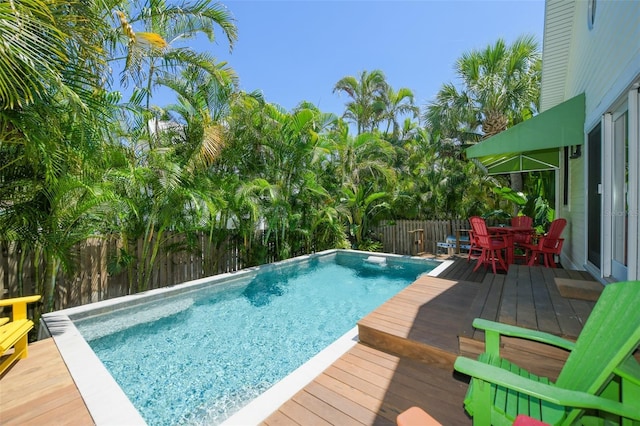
[(533, 144)]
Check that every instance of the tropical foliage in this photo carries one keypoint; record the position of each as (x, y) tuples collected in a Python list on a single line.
[(500, 88), (85, 152)]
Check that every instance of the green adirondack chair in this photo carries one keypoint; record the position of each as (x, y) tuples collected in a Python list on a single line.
[(599, 384)]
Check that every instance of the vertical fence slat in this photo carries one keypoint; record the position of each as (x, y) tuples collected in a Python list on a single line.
[(12, 264), (399, 237), (92, 281), (4, 271)]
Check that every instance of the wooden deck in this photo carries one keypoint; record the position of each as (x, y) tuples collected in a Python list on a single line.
[(405, 356), (370, 387), (421, 321), (431, 320), (39, 390), (408, 346), (527, 297)]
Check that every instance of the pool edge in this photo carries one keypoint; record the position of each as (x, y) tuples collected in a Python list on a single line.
[(444, 264), (109, 405), (105, 400), (269, 401)]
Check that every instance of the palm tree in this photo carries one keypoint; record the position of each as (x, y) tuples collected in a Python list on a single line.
[(398, 103), (53, 120), (51, 46), (364, 207), (273, 162), (504, 81), (365, 177), (501, 87), (169, 150), (54, 195), (30, 58), (150, 51), (367, 106), (290, 147), (454, 115), (203, 105), (164, 192)]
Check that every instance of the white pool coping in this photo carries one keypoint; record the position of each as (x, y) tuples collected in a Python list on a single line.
[(269, 401), (109, 405), (444, 264), (106, 401)]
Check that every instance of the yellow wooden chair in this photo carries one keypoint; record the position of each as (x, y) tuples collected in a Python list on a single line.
[(14, 333)]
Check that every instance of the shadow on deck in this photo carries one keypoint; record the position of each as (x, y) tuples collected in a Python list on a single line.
[(431, 320), (404, 358), (409, 344)]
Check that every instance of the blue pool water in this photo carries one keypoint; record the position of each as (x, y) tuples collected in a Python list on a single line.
[(198, 357)]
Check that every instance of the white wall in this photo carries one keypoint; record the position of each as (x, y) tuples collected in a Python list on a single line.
[(604, 60), (603, 63)]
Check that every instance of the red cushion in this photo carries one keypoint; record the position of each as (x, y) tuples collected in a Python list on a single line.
[(523, 420), (415, 416)]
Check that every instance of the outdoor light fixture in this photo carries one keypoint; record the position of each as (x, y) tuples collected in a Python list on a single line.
[(576, 152)]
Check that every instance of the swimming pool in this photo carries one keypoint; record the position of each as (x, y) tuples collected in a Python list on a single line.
[(199, 353)]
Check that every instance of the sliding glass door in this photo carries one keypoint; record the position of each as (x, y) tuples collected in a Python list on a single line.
[(620, 207), (594, 196)]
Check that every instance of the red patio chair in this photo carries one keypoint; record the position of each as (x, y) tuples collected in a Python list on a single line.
[(520, 238), (547, 245), (521, 222), (491, 245), (475, 251)]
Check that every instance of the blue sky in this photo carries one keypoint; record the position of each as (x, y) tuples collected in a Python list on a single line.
[(297, 50)]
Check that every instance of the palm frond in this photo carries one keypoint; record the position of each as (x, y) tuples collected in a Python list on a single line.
[(33, 51)]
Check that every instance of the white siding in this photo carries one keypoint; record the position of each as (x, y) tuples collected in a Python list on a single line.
[(602, 63), (558, 25)]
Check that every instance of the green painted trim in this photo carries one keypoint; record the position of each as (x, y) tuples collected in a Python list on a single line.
[(546, 159)]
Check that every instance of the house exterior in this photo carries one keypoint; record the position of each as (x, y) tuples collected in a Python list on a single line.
[(589, 126), (593, 47)]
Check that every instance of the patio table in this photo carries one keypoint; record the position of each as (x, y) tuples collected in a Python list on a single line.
[(511, 231)]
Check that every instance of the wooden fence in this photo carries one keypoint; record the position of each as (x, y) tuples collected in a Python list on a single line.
[(94, 278), (415, 236)]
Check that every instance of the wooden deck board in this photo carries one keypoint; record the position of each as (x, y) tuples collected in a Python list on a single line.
[(569, 321), (39, 390), (424, 312), (526, 310), (461, 270), (544, 312), (491, 308), (509, 301), (328, 405), (367, 386), (374, 387), (301, 415)]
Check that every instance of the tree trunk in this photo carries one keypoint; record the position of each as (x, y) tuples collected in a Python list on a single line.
[(152, 261), (50, 273), (517, 185)]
